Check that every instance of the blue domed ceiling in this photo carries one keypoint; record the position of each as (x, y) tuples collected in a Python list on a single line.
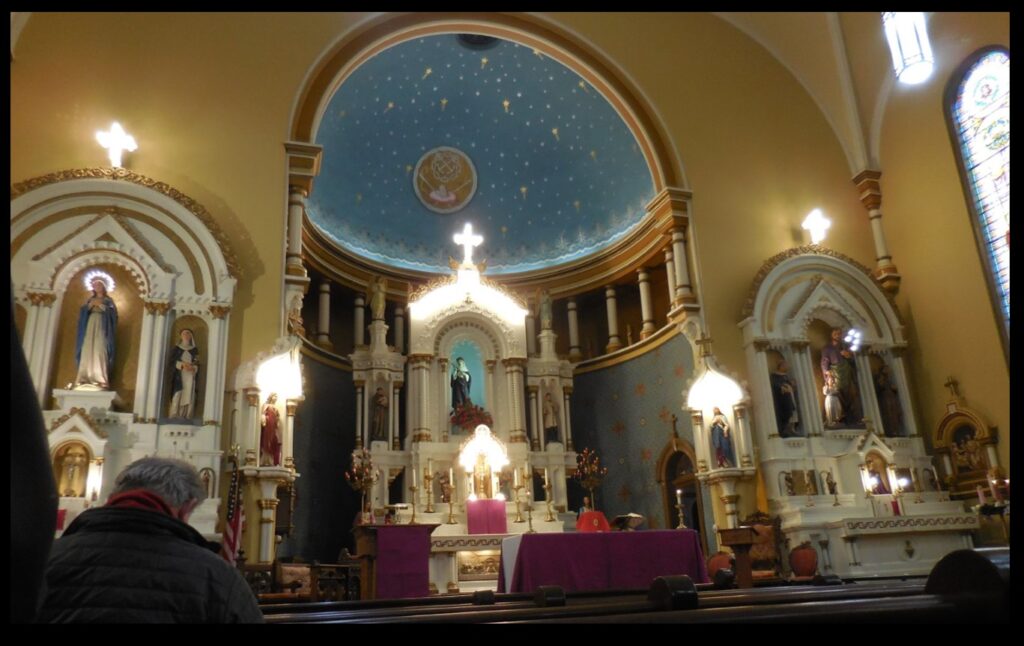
[(438, 131)]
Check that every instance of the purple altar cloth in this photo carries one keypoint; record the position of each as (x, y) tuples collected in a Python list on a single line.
[(604, 560), (486, 517), (403, 561)]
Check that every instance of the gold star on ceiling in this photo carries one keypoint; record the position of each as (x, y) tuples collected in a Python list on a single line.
[(593, 155), (483, 62), (391, 104), (554, 131), (537, 53), (444, 102), (427, 72), (505, 104), (408, 169), (522, 190), (583, 86), (576, 205)]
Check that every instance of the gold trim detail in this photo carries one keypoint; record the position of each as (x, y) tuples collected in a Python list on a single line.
[(811, 250), (219, 311), (41, 298), (86, 417), (156, 307), (120, 174)]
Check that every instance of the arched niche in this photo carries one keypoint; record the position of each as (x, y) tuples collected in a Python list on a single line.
[(129, 305), (70, 462), (161, 247), (677, 471), (201, 338), (795, 301)]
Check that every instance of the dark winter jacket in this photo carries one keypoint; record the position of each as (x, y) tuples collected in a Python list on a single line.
[(124, 565)]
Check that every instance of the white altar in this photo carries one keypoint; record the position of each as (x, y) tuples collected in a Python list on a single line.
[(465, 314)]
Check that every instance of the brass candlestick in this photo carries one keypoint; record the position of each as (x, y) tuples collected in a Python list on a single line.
[(413, 489), (679, 509), (519, 514), (529, 519), (428, 481), (547, 496), (447, 491)]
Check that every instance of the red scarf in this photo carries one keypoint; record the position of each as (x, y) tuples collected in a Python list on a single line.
[(140, 499)]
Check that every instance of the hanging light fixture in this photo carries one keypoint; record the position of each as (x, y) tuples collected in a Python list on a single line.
[(908, 43)]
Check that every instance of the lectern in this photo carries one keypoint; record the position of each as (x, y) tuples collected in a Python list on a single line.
[(740, 539)]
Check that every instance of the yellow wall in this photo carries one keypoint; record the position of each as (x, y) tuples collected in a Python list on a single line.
[(209, 99), (944, 295)]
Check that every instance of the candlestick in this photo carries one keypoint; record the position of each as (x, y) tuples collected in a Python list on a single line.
[(529, 518), (519, 514), (451, 512), (545, 476), (413, 489), (515, 478), (451, 476), (547, 495), (428, 480), (679, 497)]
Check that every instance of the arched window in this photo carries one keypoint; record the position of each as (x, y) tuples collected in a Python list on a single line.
[(978, 111)]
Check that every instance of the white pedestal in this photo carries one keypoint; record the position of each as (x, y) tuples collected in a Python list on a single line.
[(89, 400)]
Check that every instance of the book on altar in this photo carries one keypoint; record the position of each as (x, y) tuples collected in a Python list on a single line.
[(627, 522)]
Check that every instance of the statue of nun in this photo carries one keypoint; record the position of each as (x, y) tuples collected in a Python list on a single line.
[(185, 359), (94, 345)]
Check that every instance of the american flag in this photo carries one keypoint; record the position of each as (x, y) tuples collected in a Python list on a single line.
[(235, 517)]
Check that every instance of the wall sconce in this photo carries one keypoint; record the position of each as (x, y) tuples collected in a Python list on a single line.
[(908, 43)]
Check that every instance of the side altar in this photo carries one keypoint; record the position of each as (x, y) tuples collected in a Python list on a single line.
[(487, 444)]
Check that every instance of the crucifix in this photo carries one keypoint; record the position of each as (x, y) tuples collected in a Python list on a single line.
[(468, 240), (116, 141), (952, 384), (705, 345)]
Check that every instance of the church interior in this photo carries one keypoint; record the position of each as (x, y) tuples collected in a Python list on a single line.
[(440, 293)]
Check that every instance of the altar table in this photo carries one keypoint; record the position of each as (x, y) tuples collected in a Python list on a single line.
[(395, 560), (486, 517), (599, 560)]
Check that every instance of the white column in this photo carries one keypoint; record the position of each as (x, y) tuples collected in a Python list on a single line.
[(538, 432), (670, 273), (646, 309), (250, 429), (210, 364), (866, 384), (574, 331), (683, 292), (358, 313), (359, 416), (445, 388), (296, 208), (399, 329), (156, 367), (40, 340), (393, 410), (613, 321), (423, 399), (489, 386), (701, 447), (288, 441), (531, 335), (566, 419), (807, 389), (142, 374), (744, 456), (323, 327)]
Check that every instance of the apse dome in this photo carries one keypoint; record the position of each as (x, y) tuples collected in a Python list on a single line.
[(437, 131)]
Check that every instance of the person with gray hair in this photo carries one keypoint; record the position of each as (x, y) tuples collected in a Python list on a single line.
[(136, 560)]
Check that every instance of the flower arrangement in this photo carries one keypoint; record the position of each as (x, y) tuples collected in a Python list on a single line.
[(468, 416), (589, 472), (362, 475)]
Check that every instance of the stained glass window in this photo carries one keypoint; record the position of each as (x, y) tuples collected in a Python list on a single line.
[(981, 122)]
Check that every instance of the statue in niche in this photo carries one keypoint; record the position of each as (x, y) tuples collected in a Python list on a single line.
[(185, 360), (784, 397), (550, 414), (833, 402), (73, 471), (545, 309), (839, 359), (378, 297), (876, 474), (889, 402), (295, 323), (270, 433), (94, 346), (721, 440), (966, 450), (460, 382), (379, 419)]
